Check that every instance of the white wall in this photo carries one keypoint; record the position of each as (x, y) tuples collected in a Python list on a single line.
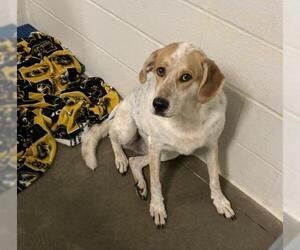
[(21, 12), (8, 12), (292, 108), (113, 38)]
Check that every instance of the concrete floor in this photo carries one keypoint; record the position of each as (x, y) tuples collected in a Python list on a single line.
[(8, 219), (291, 228), (73, 208)]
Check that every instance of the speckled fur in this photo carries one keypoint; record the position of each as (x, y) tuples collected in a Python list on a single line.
[(187, 127)]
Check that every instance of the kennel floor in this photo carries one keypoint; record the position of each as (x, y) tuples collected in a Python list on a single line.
[(73, 208)]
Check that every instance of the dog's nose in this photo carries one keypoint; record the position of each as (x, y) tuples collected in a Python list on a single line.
[(160, 104)]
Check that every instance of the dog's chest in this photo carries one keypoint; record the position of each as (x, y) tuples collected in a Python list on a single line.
[(186, 138), (184, 147), (183, 140), (183, 143)]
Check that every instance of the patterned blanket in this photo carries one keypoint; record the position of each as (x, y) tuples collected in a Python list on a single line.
[(56, 102)]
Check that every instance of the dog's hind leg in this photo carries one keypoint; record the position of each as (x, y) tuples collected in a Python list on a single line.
[(122, 132), (121, 160), (136, 165)]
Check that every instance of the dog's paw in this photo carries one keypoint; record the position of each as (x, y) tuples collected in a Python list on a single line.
[(158, 213), (141, 189), (223, 207), (121, 163)]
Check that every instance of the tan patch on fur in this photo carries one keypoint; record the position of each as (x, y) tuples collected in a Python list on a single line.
[(164, 55), (194, 62), (158, 56), (187, 63), (213, 82)]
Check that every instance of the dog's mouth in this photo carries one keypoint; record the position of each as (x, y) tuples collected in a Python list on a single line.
[(162, 114), (159, 114)]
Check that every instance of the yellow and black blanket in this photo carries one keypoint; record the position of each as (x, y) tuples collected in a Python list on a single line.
[(56, 102)]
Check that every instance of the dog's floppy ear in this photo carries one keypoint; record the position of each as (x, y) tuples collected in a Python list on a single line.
[(148, 66), (212, 81)]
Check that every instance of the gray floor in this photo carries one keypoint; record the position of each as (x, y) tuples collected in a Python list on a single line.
[(8, 219), (71, 207), (291, 229)]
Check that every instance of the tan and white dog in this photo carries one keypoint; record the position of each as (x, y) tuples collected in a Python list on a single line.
[(179, 109)]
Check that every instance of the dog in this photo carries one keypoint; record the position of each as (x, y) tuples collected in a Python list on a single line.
[(179, 110)]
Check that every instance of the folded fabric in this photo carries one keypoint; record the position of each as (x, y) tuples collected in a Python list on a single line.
[(56, 102)]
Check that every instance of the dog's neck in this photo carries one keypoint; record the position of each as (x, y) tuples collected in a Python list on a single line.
[(194, 113), (189, 115)]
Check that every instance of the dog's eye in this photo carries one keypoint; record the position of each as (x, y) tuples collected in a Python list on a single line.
[(185, 77), (160, 71)]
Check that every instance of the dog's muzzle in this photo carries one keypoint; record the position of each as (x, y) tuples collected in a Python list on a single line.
[(160, 105)]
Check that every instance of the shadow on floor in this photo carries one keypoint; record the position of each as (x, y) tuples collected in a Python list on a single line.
[(74, 208)]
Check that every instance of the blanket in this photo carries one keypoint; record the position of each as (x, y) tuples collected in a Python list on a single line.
[(56, 103)]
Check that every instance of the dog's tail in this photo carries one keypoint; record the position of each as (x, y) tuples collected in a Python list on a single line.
[(90, 141)]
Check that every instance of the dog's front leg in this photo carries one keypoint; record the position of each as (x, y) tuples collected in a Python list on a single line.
[(219, 200), (157, 207)]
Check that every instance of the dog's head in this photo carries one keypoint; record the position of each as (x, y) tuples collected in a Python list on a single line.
[(184, 76)]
